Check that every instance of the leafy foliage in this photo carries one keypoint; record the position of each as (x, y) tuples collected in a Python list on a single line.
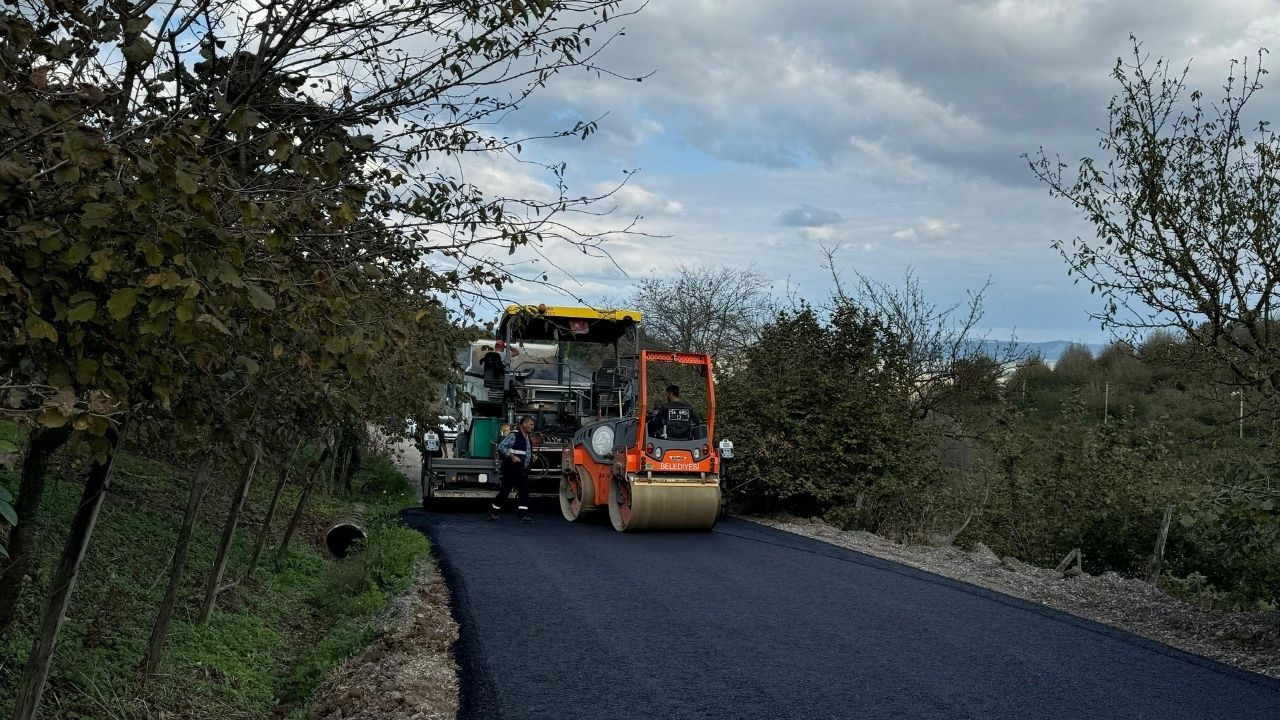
[(272, 639), (1184, 205), (822, 415)]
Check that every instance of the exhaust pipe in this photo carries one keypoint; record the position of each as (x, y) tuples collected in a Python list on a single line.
[(342, 537)]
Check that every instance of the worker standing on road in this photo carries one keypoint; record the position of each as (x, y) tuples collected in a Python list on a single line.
[(516, 454), (674, 419)]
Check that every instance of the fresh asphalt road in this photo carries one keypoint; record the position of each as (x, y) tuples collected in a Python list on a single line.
[(575, 621)]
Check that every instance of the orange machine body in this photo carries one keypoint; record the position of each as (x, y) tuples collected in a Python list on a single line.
[(636, 456)]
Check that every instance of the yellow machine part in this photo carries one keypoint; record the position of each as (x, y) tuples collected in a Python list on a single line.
[(669, 503)]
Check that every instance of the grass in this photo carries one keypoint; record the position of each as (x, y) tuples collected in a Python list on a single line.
[(272, 639)]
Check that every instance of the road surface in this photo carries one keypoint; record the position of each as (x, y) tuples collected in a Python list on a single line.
[(575, 621)]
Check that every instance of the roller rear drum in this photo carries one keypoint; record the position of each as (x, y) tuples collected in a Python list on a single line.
[(637, 504)]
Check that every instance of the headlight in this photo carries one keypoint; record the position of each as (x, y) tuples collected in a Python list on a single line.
[(602, 440), (697, 455)]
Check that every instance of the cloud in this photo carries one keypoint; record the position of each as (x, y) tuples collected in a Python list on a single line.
[(926, 228), (632, 199), (809, 216), (909, 116)]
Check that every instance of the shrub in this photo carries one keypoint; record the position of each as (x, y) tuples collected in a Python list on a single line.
[(821, 414)]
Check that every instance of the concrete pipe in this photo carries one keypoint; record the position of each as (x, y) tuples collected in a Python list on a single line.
[(342, 537)]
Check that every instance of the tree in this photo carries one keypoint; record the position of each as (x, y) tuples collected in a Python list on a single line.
[(718, 310), (1031, 373), (1075, 366), (941, 342), (225, 217), (819, 410), (1185, 207)]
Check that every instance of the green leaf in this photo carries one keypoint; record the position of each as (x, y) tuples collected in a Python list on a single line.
[(67, 174), (78, 252), (38, 328), (6, 446), (85, 371), (6, 511), (138, 51), (51, 418), (260, 298), (186, 183), (82, 312), (242, 119), (96, 215), (122, 302), (333, 151)]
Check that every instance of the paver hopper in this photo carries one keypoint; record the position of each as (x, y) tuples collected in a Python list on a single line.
[(647, 481)]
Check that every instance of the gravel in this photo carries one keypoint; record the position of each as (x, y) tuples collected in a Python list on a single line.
[(409, 673)]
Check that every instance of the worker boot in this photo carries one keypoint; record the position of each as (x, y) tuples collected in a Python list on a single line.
[(493, 513)]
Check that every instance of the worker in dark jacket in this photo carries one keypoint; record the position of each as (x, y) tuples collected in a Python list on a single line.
[(515, 454), (674, 419)]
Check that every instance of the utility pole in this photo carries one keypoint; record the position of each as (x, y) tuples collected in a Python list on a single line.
[(1106, 400)]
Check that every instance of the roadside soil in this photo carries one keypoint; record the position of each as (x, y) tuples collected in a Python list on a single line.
[(1247, 640), (407, 674)]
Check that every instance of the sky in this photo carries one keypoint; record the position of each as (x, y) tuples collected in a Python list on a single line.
[(764, 131)]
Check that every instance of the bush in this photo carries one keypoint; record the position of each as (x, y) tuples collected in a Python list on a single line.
[(355, 593), (1075, 366), (379, 476), (822, 419)]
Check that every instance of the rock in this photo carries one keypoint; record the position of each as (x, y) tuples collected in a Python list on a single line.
[(984, 555)]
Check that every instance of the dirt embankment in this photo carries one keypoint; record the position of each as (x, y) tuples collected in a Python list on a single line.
[(407, 674), (1245, 640)]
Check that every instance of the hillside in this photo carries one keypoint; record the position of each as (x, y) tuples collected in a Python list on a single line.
[(272, 638)]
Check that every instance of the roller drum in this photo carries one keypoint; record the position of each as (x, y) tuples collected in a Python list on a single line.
[(577, 494), (667, 504)]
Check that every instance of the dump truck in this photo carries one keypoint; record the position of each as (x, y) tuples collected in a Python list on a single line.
[(644, 477)]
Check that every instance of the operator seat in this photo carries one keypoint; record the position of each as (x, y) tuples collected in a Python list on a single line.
[(608, 380)]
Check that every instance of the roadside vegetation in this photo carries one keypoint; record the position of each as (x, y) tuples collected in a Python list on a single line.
[(273, 637), (1089, 453), (879, 410), (230, 236)]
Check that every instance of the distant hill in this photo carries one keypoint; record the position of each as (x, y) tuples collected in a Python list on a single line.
[(1050, 350)]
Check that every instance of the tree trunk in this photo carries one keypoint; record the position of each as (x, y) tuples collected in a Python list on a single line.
[(1157, 555), (332, 475), (36, 672), (155, 648), (302, 502), (213, 587), (345, 476), (41, 444), (285, 473)]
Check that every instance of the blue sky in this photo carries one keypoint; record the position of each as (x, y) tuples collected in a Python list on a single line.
[(893, 128)]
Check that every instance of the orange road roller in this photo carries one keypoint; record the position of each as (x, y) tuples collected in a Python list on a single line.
[(655, 470)]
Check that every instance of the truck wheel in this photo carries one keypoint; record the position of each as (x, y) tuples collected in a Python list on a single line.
[(429, 499)]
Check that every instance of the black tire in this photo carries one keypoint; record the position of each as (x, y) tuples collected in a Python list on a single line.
[(429, 499)]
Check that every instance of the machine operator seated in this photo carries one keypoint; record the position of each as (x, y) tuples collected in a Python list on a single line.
[(674, 419)]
